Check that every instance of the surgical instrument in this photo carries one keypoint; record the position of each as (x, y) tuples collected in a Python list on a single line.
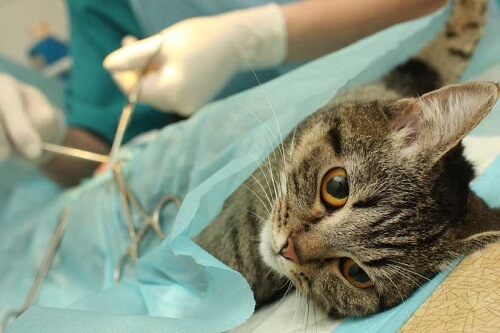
[(149, 221), (44, 267), (75, 153)]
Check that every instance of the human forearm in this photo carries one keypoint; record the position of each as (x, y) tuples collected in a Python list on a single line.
[(317, 27), (68, 171), (196, 58)]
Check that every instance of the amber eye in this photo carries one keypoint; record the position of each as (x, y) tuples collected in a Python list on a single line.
[(334, 188), (354, 274)]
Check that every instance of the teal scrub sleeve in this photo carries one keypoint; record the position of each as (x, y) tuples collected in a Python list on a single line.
[(92, 100)]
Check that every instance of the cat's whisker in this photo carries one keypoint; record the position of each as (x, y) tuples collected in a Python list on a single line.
[(285, 283), (309, 301), (314, 310), (268, 274), (307, 312), (408, 312), (259, 163), (387, 276), (435, 284), (274, 181), (431, 281), (301, 298), (417, 283), (272, 143), (267, 130), (300, 307), (273, 195), (257, 215), (392, 282), (396, 264), (290, 287), (298, 301), (259, 198), (283, 182), (274, 306), (280, 145), (292, 146), (268, 208), (404, 272)]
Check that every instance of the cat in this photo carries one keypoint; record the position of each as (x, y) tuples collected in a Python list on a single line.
[(368, 197)]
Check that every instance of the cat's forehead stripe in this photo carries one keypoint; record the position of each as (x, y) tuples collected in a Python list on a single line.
[(335, 138), (368, 202)]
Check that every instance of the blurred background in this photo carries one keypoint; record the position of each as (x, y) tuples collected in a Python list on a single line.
[(34, 33)]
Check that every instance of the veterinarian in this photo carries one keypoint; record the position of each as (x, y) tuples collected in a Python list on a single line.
[(202, 50)]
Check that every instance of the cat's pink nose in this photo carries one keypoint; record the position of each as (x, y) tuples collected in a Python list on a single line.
[(288, 251)]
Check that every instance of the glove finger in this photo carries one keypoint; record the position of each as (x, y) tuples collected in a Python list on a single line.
[(5, 149), (167, 92), (18, 127), (128, 40), (125, 80), (134, 56), (48, 120), (154, 90)]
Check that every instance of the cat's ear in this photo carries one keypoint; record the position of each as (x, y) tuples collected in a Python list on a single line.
[(439, 120)]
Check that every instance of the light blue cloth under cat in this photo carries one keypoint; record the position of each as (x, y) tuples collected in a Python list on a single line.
[(178, 287)]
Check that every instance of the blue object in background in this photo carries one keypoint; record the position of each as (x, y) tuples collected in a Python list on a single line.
[(50, 49)]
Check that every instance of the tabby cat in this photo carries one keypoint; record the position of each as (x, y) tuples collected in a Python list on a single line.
[(368, 197)]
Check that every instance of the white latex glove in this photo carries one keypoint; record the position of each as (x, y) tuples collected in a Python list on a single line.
[(26, 120), (195, 58)]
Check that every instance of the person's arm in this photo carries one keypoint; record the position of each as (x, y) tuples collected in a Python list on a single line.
[(317, 27), (28, 120), (93, 103), (311, 28), (197, 57)]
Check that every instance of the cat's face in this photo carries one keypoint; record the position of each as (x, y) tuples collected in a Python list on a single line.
[(375, 199)]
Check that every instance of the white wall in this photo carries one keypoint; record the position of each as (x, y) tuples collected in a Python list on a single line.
[(18, 16)]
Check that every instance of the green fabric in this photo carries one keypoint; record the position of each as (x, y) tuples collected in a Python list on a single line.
[(92, 99)]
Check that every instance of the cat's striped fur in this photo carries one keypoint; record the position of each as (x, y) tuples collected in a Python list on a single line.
[(410, 210)]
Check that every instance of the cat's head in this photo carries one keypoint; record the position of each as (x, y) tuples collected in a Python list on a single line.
[(376, 199)]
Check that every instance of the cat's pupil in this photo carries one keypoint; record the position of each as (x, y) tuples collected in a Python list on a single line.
[(358, 274), (337, 187)]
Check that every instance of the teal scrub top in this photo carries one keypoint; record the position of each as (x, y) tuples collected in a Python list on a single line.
[(92, 100)]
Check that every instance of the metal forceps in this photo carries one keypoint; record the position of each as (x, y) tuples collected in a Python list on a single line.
[(149, 221), (128, 109), (132, 98), (127, 199), (42, 271)]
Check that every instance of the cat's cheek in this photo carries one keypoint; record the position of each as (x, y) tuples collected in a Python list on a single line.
[(265, 246), (266, 250)]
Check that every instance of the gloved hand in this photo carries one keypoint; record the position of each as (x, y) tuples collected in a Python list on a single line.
[(26, 120), (195, 58)]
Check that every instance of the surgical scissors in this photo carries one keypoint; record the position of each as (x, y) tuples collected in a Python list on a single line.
[(127, 199), (149, 221), (132, 99), (128, 109)]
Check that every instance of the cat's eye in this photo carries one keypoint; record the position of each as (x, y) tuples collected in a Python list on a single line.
[(334, 188), (354, 274)]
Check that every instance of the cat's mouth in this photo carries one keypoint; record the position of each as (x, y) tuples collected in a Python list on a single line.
[(271, 252)]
